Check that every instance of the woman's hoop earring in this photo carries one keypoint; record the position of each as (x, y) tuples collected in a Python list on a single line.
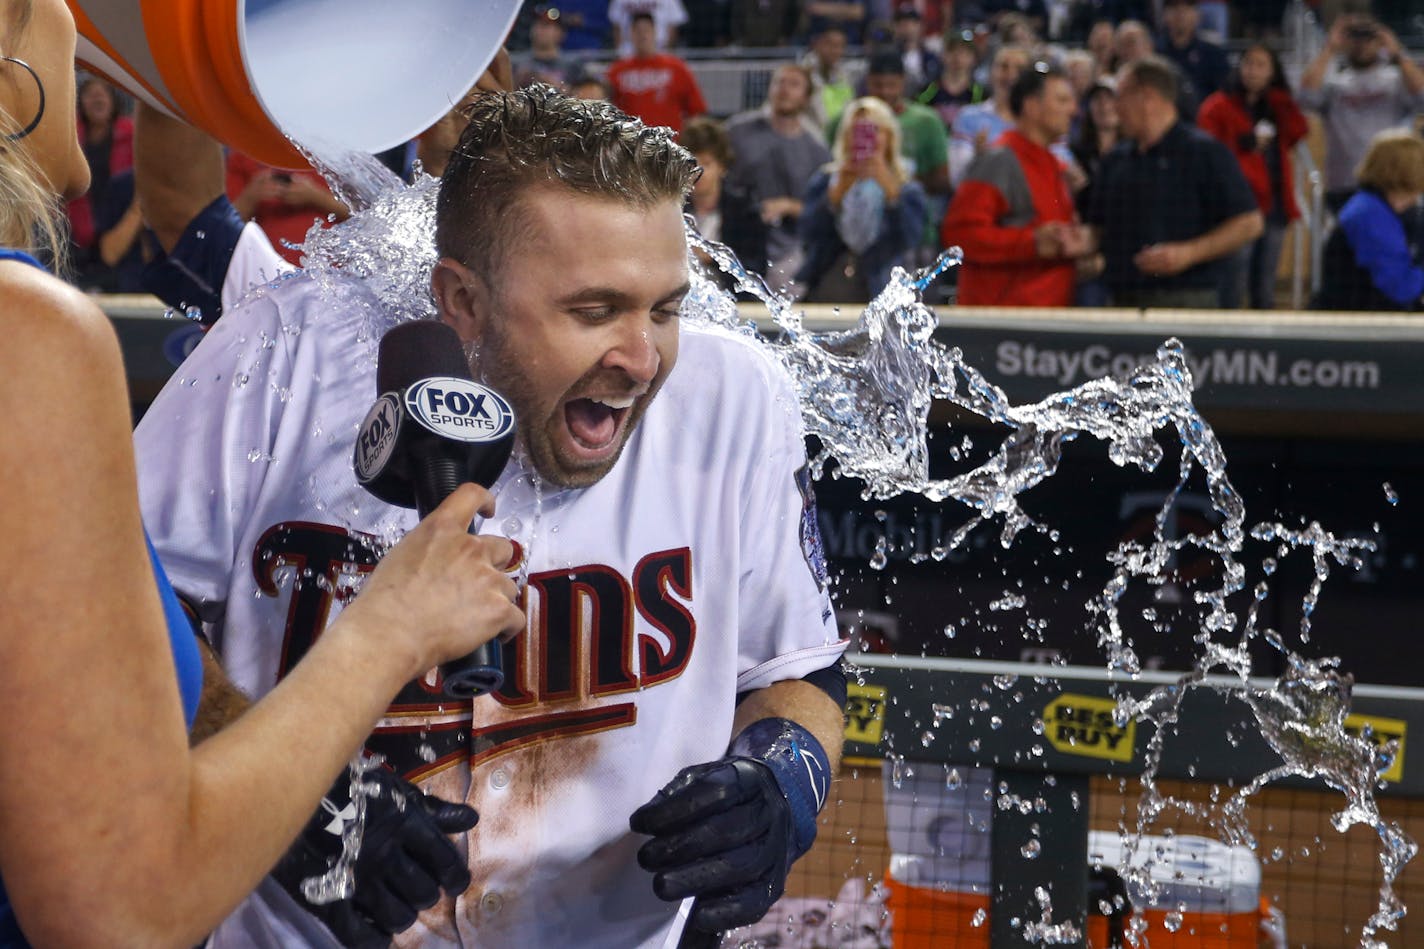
[(34, 123)]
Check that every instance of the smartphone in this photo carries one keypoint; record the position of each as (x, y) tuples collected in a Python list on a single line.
[(864, 139)]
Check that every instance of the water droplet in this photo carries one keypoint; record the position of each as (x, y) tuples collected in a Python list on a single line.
[(1011, 601), (1389, 494)]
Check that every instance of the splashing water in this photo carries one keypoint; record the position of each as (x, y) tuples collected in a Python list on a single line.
[(339, 881), (865, 394), (1044, 931)]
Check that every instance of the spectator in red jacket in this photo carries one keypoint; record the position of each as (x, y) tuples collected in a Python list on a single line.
[(656, 87), (1013, 214), (1257, 118)]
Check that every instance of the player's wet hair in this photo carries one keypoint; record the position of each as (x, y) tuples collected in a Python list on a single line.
[(538, 137)]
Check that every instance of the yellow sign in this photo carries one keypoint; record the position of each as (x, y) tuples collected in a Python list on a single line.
[(1083, 725), (865, 713), (1382, 730)]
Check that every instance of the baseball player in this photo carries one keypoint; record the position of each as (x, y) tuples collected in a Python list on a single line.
[(672, 716)]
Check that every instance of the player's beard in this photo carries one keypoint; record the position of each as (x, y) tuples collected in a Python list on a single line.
[(494, 362)]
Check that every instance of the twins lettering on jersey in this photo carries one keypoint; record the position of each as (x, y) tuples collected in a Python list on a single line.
[(594, 634)]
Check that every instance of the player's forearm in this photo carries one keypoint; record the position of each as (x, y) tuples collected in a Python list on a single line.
[(804, 704)]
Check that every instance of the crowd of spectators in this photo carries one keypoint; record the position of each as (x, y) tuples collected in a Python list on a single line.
[(1088, 152)]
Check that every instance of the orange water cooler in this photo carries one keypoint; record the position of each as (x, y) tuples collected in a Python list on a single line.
[(364, 75)]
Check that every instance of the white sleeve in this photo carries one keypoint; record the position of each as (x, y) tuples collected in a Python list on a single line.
[(785, 603), (204, 446), (254, 262)]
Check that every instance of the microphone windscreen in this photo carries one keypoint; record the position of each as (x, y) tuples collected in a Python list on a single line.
[(417, 350)]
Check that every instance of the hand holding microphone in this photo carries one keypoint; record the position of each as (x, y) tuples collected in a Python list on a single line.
[(442, 594), (432, 430)]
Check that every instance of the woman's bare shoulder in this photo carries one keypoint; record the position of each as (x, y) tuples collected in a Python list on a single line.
[(42, 317)]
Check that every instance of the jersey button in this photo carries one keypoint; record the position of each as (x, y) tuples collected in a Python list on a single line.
[(492, 903), (499, 779)]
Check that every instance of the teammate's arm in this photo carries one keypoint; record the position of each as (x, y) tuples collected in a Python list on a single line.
[(178, 171)]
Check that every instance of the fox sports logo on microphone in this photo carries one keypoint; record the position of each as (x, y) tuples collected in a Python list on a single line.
[(377, 438), (459, 409)]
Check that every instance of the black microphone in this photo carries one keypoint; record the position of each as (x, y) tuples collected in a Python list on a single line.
[(432, 429)]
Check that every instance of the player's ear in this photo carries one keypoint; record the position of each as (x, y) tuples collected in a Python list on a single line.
[(462, 298)]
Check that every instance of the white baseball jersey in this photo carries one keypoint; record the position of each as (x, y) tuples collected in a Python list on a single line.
[(254, 262), (689, 573)]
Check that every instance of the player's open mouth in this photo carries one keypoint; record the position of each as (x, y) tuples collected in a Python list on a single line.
[(596, 423)]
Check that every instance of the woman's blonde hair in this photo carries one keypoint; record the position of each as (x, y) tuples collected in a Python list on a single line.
[(1394, 162), (30, 216), (878, 112)]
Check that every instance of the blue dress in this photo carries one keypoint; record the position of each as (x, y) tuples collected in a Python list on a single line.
[(186, 661)]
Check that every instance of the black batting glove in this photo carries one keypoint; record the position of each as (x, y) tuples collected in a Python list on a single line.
[(405, 860), (728, 831)]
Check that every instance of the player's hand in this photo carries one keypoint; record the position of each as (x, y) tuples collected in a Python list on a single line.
[(404, 862), (721, 832), (440, 593)]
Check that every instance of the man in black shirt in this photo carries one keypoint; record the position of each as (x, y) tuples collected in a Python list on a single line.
[(1171, 202)]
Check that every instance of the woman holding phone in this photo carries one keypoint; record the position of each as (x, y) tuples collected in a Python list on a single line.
[(1257, 118), (864, 212), (113, 831)]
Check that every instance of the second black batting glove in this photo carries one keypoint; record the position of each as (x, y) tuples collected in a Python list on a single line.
[(728, 831), (406, 857)]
